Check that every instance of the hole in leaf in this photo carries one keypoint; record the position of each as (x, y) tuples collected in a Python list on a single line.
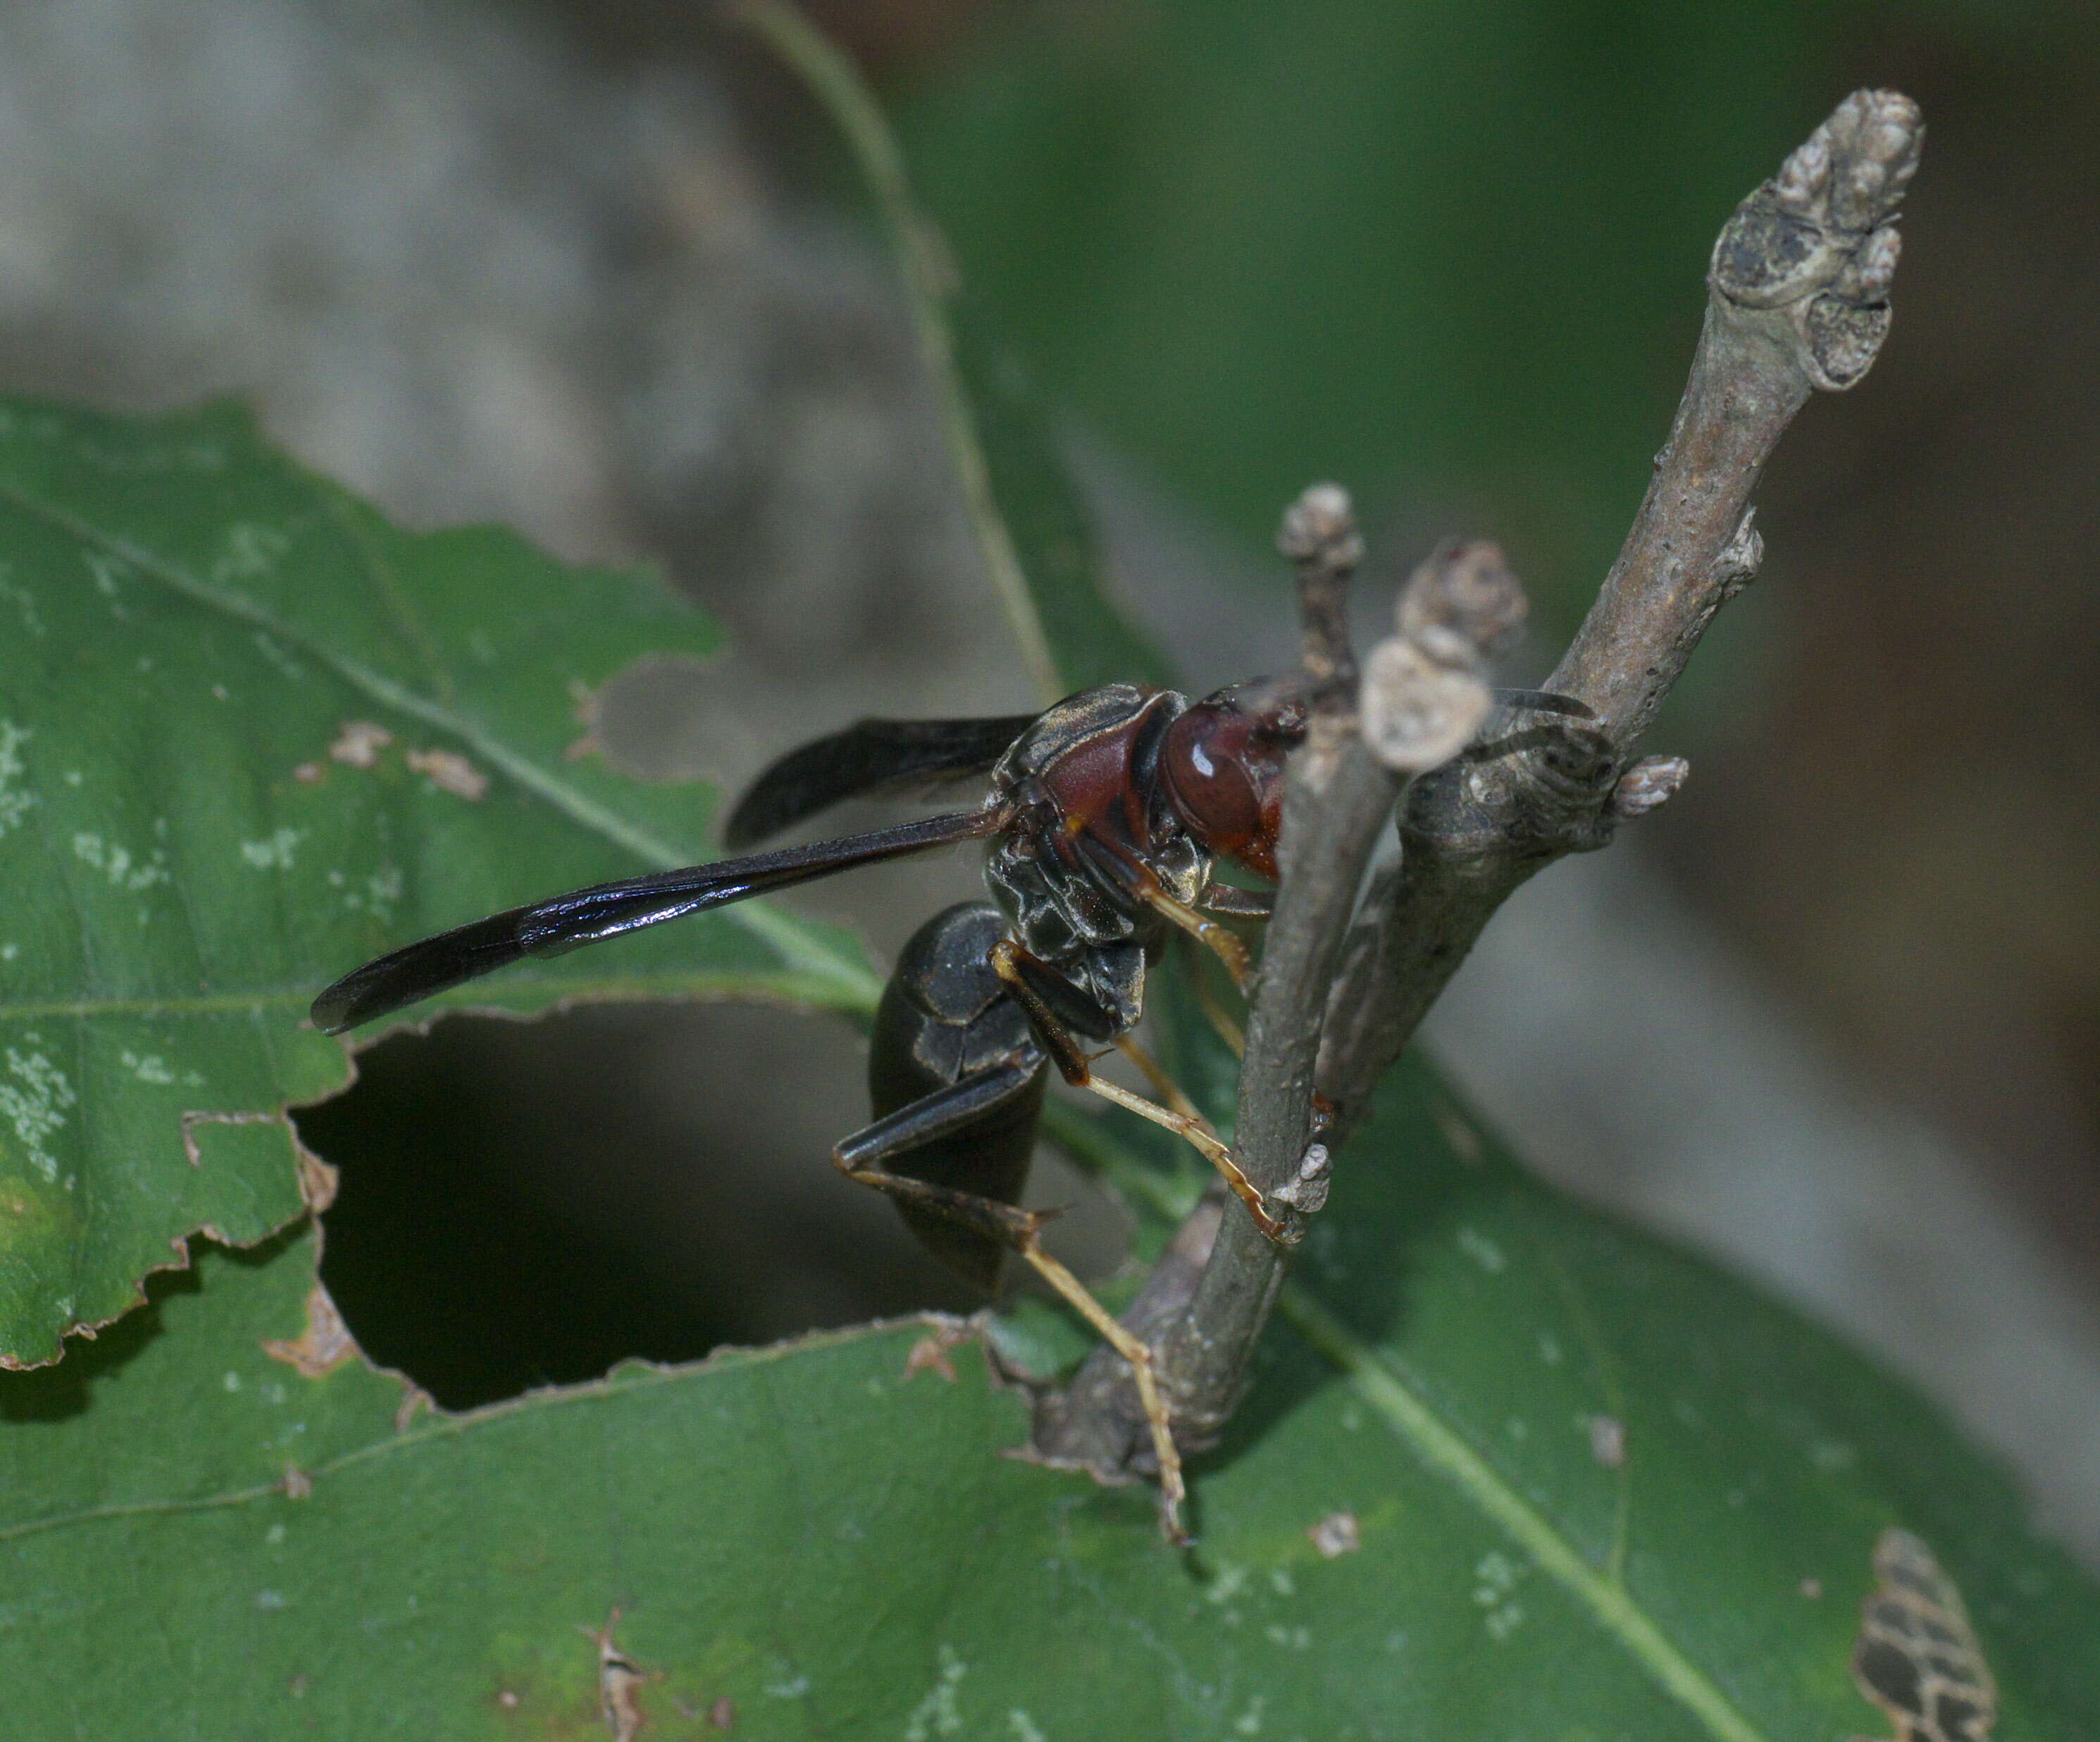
[(525, 1204)]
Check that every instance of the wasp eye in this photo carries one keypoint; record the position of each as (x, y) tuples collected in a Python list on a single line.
[(1218, 778)]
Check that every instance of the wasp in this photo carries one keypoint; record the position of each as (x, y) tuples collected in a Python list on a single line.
[(1107, 819)]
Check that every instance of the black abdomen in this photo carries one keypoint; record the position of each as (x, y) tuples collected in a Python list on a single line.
[(945, 1016)]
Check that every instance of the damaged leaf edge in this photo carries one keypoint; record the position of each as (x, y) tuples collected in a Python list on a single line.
[(417, 1419)]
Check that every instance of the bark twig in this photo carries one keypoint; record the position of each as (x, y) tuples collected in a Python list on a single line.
[(1798, 302), (1425, 696)]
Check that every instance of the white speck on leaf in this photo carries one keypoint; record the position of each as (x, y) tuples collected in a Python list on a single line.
[(1230, 1581), (938, 1714), (233, 1382), (36, 1105), (1249, 1721), (117, 864), (1290, 1638), (1608, 1440), (1023, 1727), (151, 1068), (381, 889), (1280, 1578), (1498, 1576), (1482, 1250), (23, 600), (15, 803), (1336, 1535), (1549, 1348), (274, 854), (270, 1601), (250, 550)]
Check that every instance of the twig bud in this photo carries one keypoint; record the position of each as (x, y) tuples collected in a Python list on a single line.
[(1320, 528), (1319, 535), (1652, 782), (1817, 243), (1425, 692)]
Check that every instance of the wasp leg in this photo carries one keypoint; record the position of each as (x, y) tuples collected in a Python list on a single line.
[(1047, 995), (1139, 1355), (1220, 940), (862, 1156), (1155, 1073), (1196, 1128), (1199, 1134), (1215, 1013), (1058, 1011), (1241, 904)]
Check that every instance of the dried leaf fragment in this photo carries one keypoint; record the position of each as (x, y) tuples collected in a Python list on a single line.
[(359, 744), (324, 1346), (620, 1681), (450, 771), (931, 1350), (1917, 1658)]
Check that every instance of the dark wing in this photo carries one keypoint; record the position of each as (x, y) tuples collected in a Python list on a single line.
[(550, 927), (869, 756)]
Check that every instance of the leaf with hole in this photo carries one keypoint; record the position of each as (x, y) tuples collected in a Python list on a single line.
[(1419, 1526), (251, 734)]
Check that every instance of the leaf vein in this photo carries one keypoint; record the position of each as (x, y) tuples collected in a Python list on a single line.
[(852, 984)]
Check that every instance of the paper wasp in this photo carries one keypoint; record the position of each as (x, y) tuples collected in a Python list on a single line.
[(1107, 817)]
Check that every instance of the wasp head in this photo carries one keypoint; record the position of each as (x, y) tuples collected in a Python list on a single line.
[(1222, 765)]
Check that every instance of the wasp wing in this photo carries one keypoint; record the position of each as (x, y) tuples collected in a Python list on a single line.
[(605, 910), (869, 756)]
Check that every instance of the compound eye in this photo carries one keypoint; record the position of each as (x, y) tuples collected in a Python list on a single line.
[(1204, 760)]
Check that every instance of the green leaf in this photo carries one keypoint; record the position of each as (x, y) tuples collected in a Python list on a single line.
[(196, 638), (825, 1534), (1091, 639), (1593, 1490), (1032, 534)]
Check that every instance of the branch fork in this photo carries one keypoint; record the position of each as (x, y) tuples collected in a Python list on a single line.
[(1798, 302)]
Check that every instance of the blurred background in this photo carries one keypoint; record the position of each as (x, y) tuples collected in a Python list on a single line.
[(599, 270)]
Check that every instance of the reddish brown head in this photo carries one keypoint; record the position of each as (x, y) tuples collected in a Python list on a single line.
[(1222, 763)]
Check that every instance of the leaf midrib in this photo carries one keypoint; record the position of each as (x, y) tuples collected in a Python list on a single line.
[(851, 985), (1445, 1450), (1439, 1444)]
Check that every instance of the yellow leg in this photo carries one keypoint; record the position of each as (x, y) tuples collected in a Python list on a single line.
[(1203, 1138), (1213, 934), (1139, 1355), (1155, 1073), (1206, 1001)]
